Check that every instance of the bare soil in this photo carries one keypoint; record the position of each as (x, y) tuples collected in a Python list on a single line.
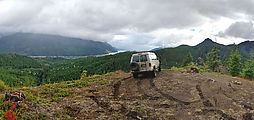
[(171, 95)]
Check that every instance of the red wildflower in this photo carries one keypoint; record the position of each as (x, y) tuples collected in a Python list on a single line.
[(13, 106), (10, 115)]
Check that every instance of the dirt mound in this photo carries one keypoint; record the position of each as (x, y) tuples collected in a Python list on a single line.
[(171, 95)]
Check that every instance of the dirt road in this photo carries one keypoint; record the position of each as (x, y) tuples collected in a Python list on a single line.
[(172, 95)]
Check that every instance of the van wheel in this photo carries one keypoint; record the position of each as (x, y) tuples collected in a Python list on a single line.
[(135, 75), (154, 73)]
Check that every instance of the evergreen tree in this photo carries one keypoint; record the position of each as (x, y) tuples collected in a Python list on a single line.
[(248, 72), (213, 59), (234, 62), (83, 74), (187, 60)]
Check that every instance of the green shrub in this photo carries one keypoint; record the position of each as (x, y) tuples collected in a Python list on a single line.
[(3, 87), (248, 72), (234, 62)]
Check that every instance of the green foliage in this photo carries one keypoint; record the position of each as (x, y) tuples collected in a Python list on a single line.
[(18, 61), (176, 69), (187, 60), (73, 69), (55, 92), (213, 59), (3, 87), (18, 111), (234, 63), (18, 70), (248, 71), (83, 74), (170, 114)]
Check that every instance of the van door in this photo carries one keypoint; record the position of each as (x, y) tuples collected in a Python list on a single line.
[(143, 62)]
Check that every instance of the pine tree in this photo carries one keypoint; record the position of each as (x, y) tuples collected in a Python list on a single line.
[(248, 72), (234, 62), (213, 59), (188, 60)]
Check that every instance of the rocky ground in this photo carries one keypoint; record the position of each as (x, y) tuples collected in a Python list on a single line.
[(171, 95)]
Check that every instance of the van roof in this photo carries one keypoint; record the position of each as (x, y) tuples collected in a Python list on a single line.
[(144, 53)]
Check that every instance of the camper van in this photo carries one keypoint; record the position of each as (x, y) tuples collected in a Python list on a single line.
[(145, 63)]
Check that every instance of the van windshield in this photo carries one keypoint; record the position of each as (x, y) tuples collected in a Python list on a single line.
[(135, 59)]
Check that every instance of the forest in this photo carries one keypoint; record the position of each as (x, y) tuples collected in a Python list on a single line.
[(19, 70)]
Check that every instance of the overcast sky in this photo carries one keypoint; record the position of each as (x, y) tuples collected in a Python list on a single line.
[(133, 24)]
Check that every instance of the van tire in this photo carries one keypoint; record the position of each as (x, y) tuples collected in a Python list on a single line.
[(154, 73), (135, 75)]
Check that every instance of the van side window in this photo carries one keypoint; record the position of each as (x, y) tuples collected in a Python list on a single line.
[(143, 58)]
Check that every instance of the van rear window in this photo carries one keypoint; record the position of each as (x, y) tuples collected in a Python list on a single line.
[(143, 58), (135, 59)]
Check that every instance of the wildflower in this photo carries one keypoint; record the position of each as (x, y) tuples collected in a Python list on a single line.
[(10, 115), (13, 106)]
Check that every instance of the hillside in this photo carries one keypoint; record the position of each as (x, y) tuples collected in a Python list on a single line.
[(18, 70), (18, 61), (32, 44), (172, 95), (175, 56)]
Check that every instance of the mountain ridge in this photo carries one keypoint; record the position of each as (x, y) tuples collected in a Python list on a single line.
[(33, 44)]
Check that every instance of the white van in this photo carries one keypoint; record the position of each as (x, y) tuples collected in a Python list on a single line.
[(146, 62)]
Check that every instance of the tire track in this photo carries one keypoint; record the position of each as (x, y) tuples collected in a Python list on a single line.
[(167, 95), (248, 116), (144, 95), (205, 102), (117, 86), (224, 115)]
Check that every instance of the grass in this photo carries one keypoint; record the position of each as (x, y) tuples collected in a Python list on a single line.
[(46, 94)]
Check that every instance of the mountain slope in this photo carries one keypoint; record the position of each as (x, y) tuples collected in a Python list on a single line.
[(175, 56), (247, 48), (18, 61), (18, 70), (51, 45)]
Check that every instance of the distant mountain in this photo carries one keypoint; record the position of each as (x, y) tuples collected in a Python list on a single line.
[(154, 49), (175, 56), (32, 44), (206, 42), (247, 48)]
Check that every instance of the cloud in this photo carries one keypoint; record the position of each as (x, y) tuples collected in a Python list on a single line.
[(103, 20), (243, 30), (137, 42)]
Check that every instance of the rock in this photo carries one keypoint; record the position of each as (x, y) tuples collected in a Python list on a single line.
[(115, 107), (212, 80), (237, 82), (194, 70)]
